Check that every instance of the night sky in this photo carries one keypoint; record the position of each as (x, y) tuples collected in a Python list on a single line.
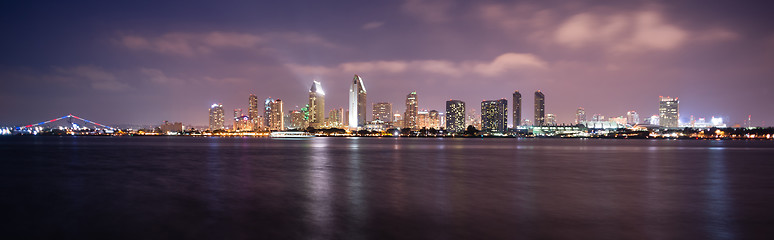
[(143, 62)]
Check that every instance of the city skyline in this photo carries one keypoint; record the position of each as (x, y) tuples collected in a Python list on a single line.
[(94, 59)]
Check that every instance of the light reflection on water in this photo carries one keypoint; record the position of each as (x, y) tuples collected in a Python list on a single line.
[(334, 188)]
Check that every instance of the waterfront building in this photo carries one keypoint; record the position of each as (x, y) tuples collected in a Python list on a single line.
[(550, 119), (580, 115), (316, 109), (243, 123), (632, 118), (357, 103), (455, 116), (336, 117), (494, 115), (598, 117), (423, 119), (296, 120), (669, 112), (397, 120), (619, 120), (441, 120), (540, 108), (382, 111), (434, 120), (273, 114), (216, 117), (516, 109), (252, 110), (473, 119), (376, 126), (175, 127), (412, 109)]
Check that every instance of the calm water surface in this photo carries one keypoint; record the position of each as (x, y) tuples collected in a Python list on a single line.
[(364, 188)]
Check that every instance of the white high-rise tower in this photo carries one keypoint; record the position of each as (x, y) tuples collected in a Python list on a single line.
[(357, 103)]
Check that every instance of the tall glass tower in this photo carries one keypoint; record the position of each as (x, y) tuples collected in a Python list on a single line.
[(516, 109), (357, 103), (216, 117), (316, 105), (412, 109), (540, 108)]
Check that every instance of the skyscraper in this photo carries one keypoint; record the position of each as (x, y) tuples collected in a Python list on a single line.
[(423, 119), (540, 108), (580, 115), (455, 116), (316, 105), (252, 110), (382, 111), (296, 119), (357, 103), (216, 117), (273, 114), (632, 118), (669, 112), (434, 119), (412, 109), (516, 109), (494, 115)]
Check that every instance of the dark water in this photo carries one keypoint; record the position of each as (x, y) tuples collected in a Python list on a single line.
[(350, 188)]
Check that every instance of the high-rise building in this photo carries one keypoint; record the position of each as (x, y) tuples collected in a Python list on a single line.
[(494, 115), (423, 119), (252, 110), (316, 105), (550, 119), (473, 119), (540, 108), (434, 119), (273, 114), (357, 103), (216, 117), (580, 115), (455, 116), (336, 117), (412, 109), (296, 119), (669, 112), (516, 109), (382, 111), (632, 118)]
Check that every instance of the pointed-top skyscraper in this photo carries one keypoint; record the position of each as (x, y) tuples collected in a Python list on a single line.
[(316, 105), (357, 103)]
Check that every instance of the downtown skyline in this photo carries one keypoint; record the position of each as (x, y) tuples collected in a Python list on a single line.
[(144, 67)]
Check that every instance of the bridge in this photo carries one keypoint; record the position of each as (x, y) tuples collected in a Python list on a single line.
[(69, 118)]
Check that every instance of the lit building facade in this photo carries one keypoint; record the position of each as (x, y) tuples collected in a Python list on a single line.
[(297, 120), (494, 115), (580, 115), (273, 114), (516, 109), (540, 108), (253, 111), (632, 118), (423, 119), (668, 112), (357, 103), (412, 109), (382, 111), (216, 117), (455, 116), (336, 117), (316, 105), (550, 119), (434, 119)]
